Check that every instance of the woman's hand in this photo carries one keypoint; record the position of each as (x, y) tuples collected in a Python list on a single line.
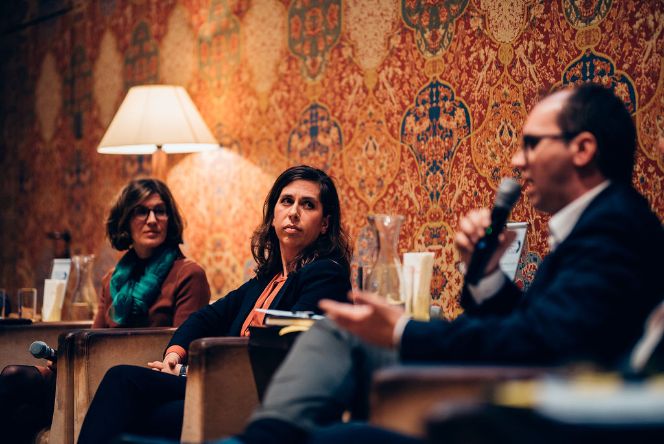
[(170, 364)]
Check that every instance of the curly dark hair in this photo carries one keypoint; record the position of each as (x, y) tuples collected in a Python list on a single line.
[(135, 192), (333, 244)]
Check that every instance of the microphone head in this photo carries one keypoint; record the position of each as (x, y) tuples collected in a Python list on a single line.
[(39, 349), (508, 193)]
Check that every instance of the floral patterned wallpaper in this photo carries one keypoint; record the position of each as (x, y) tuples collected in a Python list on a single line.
[(413, 106)]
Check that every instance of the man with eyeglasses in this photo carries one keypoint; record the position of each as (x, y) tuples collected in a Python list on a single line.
[(588, 301)]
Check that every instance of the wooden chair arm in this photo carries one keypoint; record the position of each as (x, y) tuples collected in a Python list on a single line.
[(221, 393), (402, 396)]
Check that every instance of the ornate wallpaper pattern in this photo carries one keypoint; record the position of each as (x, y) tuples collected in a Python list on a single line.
[(413, 106)]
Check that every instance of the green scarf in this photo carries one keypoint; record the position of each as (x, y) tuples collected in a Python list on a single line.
[(133, 298)]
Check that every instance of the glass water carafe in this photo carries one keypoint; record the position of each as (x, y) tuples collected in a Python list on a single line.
[(81, 298), (385, 276)]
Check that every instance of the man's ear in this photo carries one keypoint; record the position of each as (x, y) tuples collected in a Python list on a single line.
[(585, 149)]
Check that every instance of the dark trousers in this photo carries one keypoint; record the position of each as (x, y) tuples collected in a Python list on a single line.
[(328, 371), (135, 400), (359, 433), (26, 402)]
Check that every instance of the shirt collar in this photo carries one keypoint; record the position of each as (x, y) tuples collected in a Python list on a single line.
[(562, 223)]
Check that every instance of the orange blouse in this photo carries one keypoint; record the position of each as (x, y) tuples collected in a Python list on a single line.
[(264, 300)]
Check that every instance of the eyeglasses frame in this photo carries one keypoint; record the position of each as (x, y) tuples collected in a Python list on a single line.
[(159, 218)]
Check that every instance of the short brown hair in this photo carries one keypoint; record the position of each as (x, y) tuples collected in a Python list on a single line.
[(135, 192)]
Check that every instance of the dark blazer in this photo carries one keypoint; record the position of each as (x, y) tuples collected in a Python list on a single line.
[(589, 299), (321, 279)]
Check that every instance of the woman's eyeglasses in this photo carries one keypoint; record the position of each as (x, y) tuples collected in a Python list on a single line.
[(143, 213)]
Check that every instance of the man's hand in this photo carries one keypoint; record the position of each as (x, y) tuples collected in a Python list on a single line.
[(170, 364), (371, 318), (472, 228)]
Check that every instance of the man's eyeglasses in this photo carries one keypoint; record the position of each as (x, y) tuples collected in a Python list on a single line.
[(530, 142), (143, 213)]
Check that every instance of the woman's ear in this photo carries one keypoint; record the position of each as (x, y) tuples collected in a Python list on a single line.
[(324, 224)]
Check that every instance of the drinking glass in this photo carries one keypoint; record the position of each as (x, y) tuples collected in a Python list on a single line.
[(418, 271), (27, 304)]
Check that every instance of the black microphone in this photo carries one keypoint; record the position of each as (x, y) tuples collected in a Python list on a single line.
[(508, 193), (41, 350)]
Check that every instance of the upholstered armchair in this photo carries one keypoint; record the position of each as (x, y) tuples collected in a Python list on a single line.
[(83, 359), (221, 393), (402, 396), (220, 388)]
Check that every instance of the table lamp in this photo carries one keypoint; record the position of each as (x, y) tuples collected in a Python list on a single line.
[(157, 120)]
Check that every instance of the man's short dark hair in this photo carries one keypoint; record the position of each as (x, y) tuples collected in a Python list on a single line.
[(599, 111)]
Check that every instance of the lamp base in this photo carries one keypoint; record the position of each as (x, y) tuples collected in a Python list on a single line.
[(159, 164)]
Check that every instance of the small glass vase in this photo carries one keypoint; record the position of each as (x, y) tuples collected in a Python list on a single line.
[(81, 298), (385, 277)]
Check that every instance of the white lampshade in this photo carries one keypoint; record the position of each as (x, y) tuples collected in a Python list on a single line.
[(157, 116)]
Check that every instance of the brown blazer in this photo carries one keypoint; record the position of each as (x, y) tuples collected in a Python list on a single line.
[(183, 292)]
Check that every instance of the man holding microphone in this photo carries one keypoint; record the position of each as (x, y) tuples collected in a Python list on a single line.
[(588, 302)]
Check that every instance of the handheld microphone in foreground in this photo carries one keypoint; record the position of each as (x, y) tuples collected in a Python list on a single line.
[(508, 193), (40, 350)]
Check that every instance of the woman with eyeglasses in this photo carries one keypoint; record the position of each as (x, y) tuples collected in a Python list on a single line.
[(153, 285), (302, 255)]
